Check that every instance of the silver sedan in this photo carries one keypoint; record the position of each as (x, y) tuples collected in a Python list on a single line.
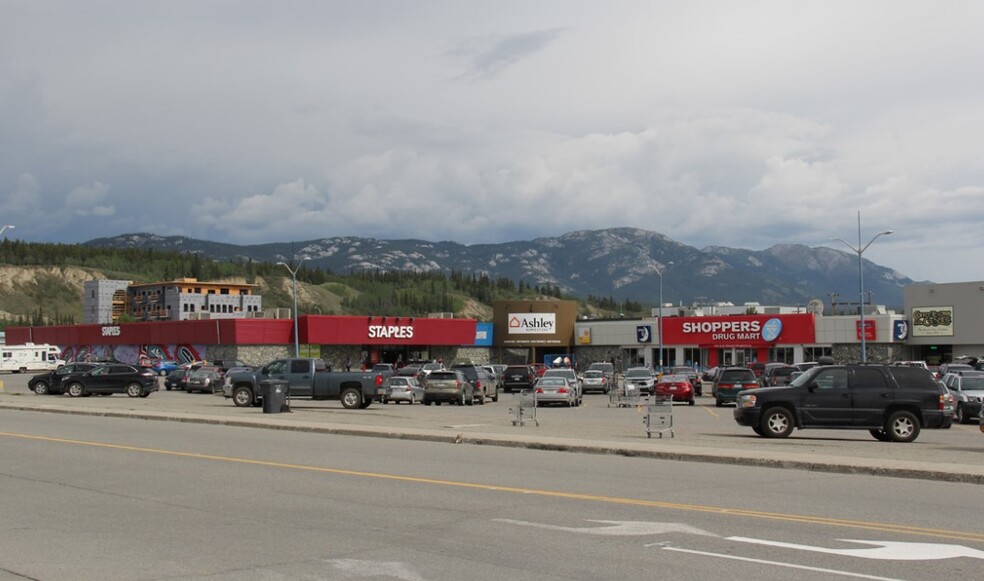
[(556, 390)]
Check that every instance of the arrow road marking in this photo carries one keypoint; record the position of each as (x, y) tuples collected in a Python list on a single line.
[(618, 528), (881, 550), (781, 564)]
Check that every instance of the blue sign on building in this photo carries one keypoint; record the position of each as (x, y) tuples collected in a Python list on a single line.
[(483, 334), (900, 330)]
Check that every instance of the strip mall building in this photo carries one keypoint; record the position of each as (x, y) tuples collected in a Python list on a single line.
[(521, 331)]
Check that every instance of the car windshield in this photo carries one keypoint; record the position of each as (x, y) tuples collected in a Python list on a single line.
[(737, 375), (673, 379), (553, 382), (593, 374), (638, 373), (973, 383)]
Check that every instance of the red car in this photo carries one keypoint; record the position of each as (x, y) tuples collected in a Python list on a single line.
[(675, 387), (539, 368)]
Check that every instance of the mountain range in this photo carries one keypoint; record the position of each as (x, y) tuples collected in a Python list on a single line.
[(621, 263)]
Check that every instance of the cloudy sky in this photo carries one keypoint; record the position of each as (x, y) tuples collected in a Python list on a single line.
[(741, 124)]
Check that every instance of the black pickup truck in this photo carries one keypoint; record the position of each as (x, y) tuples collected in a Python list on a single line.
[(307, 378)]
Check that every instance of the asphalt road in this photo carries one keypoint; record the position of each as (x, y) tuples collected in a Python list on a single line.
[(699, 432), (114, 498)]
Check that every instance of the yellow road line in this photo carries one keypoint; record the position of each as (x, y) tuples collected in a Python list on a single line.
[(817, 520)]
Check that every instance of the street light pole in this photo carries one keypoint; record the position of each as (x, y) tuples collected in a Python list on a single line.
[(293, 276), (660, 314), (5, 227), (859, 250)]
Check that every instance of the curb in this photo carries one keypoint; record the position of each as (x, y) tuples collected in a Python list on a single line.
[(920, 471)]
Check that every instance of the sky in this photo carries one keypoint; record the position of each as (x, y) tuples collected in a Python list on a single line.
[(716, 123)]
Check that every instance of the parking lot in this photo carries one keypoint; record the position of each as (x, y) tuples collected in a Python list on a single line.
[(698, 430)]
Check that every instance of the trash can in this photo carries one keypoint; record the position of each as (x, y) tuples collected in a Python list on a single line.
[(274, 392)]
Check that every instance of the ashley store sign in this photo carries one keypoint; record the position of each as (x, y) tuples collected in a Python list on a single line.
[(532, 323)]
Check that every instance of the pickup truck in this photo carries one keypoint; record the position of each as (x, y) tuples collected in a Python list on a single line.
[(308, 378)]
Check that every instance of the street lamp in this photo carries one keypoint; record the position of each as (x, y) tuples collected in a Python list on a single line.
[(293, 276), (859, 250), (660, 273), (5, 227)]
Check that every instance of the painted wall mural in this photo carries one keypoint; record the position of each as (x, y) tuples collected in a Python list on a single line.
[(133, 354)]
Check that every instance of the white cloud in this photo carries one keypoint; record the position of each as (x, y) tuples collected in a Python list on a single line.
[(714, 123)]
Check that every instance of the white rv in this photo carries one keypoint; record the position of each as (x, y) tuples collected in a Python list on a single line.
[(30, 357)]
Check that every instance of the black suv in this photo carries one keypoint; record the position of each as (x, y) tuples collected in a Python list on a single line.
[(893, 403), (518, 378)]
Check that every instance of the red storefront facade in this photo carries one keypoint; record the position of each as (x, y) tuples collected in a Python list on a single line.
[(192, 340), (751, 335)]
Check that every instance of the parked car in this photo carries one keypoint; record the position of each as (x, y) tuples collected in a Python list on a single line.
[(112, 378), (892, 402), (954, 368), (968, 393), (757, 367), (518, 377), (51, 382), (449, 386), (605, 367), (692, 375), (410, 371), (729, 382), (177, 379), (165, 366), (640, 378), (206, 379), (556, 389), (805, 365), (776, 374), (571, 376), (427, 368), (483, 384), (402, 388), (226, 364), (595, 380), (676, 387)]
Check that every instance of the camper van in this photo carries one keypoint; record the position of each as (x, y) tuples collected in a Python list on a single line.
[(30, 357)]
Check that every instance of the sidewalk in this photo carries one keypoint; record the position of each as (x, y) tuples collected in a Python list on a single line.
[(942, 455)]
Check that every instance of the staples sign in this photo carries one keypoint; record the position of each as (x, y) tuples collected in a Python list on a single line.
[(390, 332), (532, 323)]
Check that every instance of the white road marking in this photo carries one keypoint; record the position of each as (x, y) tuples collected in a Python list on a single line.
[(881, 550), (618, 528), (359, 568), (781, 564)]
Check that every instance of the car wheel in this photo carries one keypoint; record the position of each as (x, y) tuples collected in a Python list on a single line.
[(902, 426), (758, 431), (880, 435), (242, 397), (41, 388), (470, 400), (134, 390), (167, 388), (777, 422), (691, 402), (495, 396), (351, 399), (960, 415), (75, 389), (413, 399), (718, 402), (481, 399)]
